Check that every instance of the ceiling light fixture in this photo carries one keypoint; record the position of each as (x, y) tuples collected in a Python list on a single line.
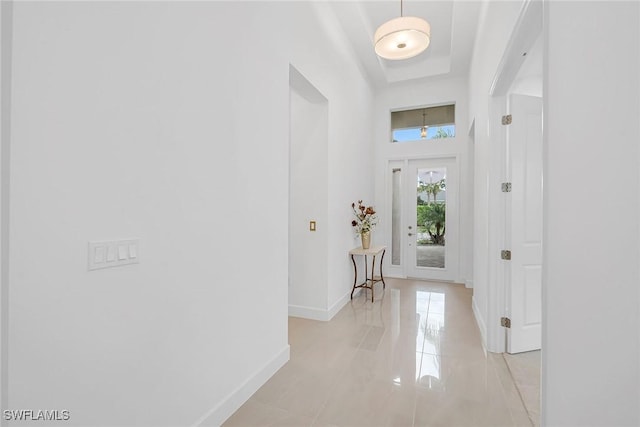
[(402, 38)]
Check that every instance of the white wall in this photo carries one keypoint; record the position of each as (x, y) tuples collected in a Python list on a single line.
[(324, 57), (5, 135), (590, 355), (143, 120), (416, 95), (497, 21)]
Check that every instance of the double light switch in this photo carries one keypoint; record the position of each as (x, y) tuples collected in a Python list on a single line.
[(113, 253)]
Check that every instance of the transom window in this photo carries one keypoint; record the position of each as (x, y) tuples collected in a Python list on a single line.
[(423, 123)]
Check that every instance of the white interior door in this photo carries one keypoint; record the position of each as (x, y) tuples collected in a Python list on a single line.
[(431, 209), (524, 213)]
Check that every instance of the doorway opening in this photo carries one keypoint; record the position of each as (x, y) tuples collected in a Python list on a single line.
[(308, 210), (516, 117)]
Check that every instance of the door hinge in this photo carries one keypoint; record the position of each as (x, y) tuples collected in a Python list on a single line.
[(506, 187), (505, 254), (506, 120), (505, 322)]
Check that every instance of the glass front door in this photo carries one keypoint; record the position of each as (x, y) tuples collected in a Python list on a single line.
[(432, 219)]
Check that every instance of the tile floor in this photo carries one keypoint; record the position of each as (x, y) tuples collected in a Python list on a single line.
[(411, 358), (525, 370)]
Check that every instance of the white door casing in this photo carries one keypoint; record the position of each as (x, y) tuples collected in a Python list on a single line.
[(524, 224)]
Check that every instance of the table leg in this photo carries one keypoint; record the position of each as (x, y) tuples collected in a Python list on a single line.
[(366, 269), (355, 276), (384, 285), (366, 275), (373, 283)]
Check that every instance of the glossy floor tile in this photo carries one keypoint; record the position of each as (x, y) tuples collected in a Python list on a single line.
[(413, 357), (525, 370)]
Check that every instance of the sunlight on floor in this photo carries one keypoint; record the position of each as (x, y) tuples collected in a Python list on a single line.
[(411, 358)]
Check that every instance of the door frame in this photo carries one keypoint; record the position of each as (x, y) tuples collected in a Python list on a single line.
[(527, 29), (400, 271)]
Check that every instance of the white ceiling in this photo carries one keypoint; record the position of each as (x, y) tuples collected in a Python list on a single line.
[(453, 30)]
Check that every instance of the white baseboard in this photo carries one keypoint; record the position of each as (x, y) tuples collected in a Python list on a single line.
[(394, 272), (337, 306), (308, 312), (223, 410), (480, 321), (318, 313), (468, 284)]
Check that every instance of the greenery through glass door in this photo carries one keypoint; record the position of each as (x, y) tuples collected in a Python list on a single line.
[(431, 217)]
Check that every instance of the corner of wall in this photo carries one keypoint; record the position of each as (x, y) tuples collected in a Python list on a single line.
[(310, 313), (322, 315), (223, 410), (479, 321), (337, 306)]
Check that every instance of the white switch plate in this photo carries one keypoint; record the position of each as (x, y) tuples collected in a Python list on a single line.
[(133, 250), (123, 252), (98, 254), (113, 253)]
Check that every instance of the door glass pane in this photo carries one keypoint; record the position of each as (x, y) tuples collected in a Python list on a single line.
[(431, 206), (396, 211)]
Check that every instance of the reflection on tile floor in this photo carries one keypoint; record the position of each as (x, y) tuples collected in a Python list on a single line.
[(411, 358), (525, 370)]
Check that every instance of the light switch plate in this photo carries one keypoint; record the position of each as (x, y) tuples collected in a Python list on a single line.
[(99, 256), (123, 252), (312, 226), (133, 250), (113, 253)]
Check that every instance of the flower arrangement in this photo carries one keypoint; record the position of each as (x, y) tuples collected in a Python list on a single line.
[(366, 218)]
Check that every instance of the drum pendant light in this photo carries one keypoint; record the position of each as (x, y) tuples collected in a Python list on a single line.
[(402, 38)]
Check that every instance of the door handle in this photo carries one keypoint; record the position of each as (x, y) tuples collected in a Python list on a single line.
[(410, 234)]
